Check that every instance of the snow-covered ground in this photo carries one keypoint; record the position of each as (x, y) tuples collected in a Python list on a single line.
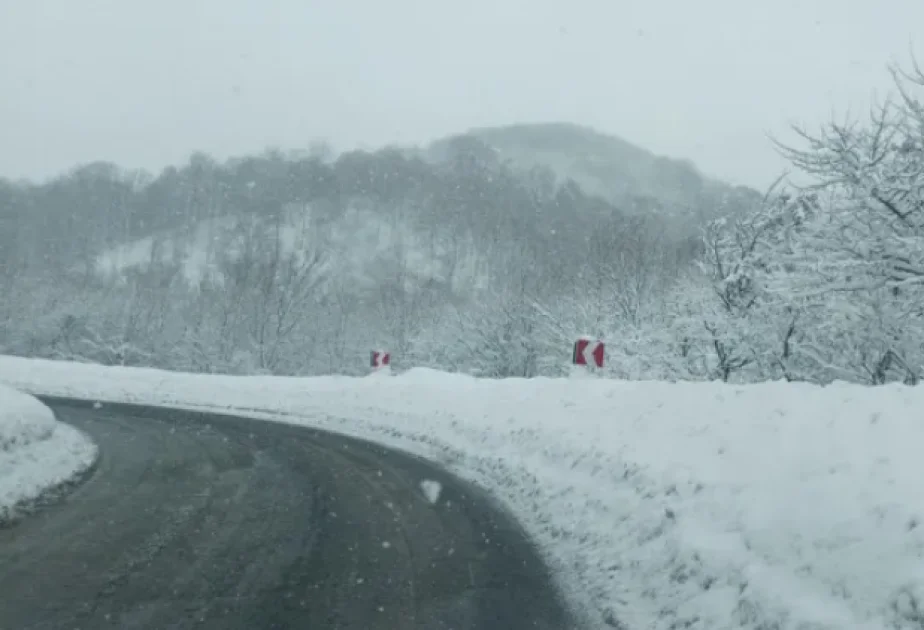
[(660, 505), (36, 451)]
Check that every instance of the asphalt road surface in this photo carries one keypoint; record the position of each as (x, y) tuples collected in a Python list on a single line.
[(203, 521)]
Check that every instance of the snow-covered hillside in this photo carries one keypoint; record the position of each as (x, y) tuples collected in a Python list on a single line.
[(356, 247), (660, 505), (610, 167), (36, 451)]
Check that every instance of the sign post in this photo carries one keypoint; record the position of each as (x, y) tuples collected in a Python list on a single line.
[(380, 361), (589, 353)]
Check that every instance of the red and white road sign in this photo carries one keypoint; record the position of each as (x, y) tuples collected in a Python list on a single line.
[(588, 352), (380, 359)]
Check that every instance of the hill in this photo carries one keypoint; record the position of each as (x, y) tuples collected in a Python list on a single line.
[(285, 262), (629, 176)]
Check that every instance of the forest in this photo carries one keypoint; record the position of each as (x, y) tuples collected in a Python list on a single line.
[(300, 263)]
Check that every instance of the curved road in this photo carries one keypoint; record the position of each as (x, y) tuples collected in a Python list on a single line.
[(199, 521)]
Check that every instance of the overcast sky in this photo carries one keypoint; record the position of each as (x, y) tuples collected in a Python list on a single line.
[(143, 83)]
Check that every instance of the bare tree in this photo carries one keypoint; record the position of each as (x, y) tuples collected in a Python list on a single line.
[(272, 285)]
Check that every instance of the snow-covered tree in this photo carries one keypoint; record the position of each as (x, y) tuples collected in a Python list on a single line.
[(857, 259)]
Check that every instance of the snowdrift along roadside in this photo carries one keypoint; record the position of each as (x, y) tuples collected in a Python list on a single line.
[(660, 505), (37, 453)]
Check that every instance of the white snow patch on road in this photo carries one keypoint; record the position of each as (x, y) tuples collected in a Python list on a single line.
[(36, 451), (431, 489), (659, 505)]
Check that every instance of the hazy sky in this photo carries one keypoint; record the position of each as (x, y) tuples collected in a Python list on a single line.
[(144, 83)]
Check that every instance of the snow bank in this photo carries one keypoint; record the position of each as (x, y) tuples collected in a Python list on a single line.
[(37, 452), (660, 505)]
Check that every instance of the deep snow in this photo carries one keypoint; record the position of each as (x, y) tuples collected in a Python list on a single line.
[(659, 505), (36, 451)]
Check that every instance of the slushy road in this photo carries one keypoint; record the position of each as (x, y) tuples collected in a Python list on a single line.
[(196, 520)]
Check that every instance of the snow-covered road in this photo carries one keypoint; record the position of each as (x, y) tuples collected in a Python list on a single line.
[(659, 505), (37, 453)]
